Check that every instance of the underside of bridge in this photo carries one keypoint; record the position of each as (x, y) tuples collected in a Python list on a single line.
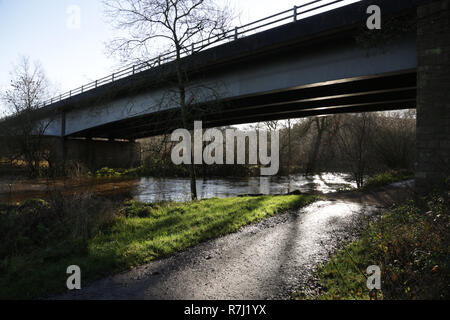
[(364, 94)]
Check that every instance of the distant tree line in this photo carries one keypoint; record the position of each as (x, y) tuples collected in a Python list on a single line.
[(361, 144)]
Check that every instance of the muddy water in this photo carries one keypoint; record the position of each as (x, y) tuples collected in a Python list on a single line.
[(176, 189)]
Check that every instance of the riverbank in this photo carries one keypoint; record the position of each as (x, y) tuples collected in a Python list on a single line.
[(40, 239), (15, 190), (386, 196)]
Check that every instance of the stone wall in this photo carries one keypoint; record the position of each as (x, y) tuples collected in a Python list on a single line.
[(433, 97)]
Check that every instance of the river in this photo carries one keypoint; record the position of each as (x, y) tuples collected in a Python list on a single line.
[(175, 189), (152, 189)]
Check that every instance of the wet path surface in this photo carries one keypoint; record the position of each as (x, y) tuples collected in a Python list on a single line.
[(268, 260)]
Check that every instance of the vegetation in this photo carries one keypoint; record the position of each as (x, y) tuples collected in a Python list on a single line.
[(410, 244), (361, 144), (115, 173), (388, 177), (39, 240), (154, 168), (23, 135)]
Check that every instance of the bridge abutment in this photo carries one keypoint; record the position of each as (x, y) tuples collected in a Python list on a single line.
[(433, 94), (95, 154)]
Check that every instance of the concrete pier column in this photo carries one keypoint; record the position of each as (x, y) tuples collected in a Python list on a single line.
[(433, 94), (63, 140)]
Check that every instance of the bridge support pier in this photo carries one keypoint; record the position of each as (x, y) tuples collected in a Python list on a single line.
[(433, 94), (95, 154)]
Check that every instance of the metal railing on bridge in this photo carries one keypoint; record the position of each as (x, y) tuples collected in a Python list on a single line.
[(288, 16)]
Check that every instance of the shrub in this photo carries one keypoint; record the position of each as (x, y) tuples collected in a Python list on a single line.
[(134, 209), (36, 223), (388, 177), (116, 173), (74, 169)]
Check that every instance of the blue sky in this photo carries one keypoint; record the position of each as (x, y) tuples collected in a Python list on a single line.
[(72, 56), (38, 29)]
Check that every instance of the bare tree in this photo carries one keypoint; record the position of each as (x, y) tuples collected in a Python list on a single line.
[(289, 129), (321, 124), (354, 141), (394, 142), (271, 125), (294, 139), (163, 26), (24, 136), (286, 131)]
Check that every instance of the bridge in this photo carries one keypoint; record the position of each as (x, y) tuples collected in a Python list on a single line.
[(296, 67)]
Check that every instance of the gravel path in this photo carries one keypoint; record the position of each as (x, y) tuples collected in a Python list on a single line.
[(268, 260)]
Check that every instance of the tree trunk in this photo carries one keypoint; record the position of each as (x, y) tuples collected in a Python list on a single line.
[(289, 148), (184, 116), (320, 125)]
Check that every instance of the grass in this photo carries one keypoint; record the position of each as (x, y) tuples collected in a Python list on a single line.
[(34, 264), (115, 173), (385, 178), (411, 246)]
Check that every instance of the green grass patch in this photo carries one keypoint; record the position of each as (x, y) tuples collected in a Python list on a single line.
[(116, 173), (385, 178), (410, 244), (135, 234)]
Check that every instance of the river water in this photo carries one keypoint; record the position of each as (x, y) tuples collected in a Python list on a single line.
[(175, 189), (152, 189)]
